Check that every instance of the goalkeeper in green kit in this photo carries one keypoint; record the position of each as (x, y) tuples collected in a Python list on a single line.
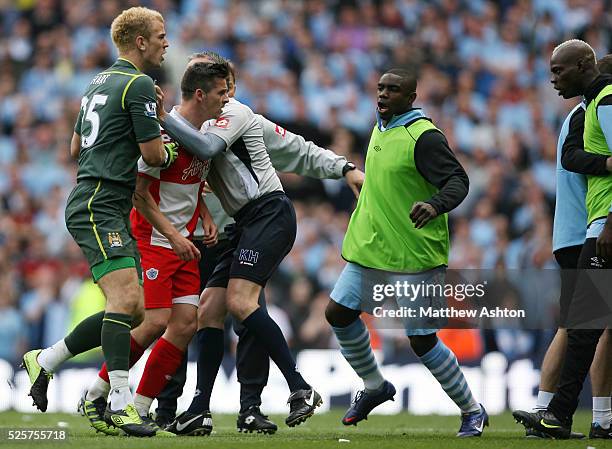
[(117, 124), (399, 233)]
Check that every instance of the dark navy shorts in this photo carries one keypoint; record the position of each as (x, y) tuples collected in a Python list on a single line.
[(260, 239)]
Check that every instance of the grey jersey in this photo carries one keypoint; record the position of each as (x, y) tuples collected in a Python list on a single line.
[(290, 153), (243, 172)]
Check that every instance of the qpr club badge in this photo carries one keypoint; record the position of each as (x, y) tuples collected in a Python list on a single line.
[(152, 274)]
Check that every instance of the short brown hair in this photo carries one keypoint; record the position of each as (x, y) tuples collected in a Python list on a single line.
[(202, 75), (132, 23)]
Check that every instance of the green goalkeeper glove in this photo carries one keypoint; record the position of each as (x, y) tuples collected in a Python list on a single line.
[(171, 153)]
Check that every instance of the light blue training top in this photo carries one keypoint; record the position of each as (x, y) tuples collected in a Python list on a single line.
[(570, 223)]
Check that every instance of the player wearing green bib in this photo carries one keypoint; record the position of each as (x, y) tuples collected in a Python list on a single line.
[(599, 188), (117, 124), (399, 232), (379, 235), (574, 72)]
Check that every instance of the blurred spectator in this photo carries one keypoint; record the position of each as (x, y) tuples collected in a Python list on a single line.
[(39, 306), (314, 332), (313, 66), (13, 333)]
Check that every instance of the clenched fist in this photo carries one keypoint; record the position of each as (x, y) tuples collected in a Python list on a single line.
[(422, 213)]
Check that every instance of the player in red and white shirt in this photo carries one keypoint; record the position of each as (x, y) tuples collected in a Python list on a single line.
[(170, 258), (170, 264), (168, 204)]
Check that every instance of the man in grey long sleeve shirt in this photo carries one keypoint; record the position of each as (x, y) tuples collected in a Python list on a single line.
[(287, 152)]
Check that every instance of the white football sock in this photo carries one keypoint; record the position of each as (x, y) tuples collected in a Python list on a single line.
[(52, 357), (544, 398), (602, 413), (98, 389), (142, 404), (120, 394)]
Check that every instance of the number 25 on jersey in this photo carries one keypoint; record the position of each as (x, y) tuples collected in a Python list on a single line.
[(90, 115)]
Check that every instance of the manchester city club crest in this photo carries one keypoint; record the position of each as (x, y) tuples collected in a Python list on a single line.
[(114, 240)]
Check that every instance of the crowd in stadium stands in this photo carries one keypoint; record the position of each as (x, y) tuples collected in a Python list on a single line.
[(313, 67)]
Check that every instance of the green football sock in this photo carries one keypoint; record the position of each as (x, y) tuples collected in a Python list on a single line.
[(116, 340), (86, 335)]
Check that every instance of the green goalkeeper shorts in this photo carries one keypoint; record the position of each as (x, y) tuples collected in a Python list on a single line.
[(98, 218)]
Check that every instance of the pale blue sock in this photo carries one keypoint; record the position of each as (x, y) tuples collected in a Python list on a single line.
[(443, 364), (354, 340)]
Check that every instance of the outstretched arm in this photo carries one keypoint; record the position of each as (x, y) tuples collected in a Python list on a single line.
[(292, 153), (204, 146), (199, 145)]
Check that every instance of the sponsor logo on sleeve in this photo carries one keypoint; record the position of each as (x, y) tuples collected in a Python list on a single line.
[(222, 122), (150, 109), (280, 130)]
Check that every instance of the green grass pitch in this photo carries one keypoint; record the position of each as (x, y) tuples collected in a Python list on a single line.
[(321, 431)]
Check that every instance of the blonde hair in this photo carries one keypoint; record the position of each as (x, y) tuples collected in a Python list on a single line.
[(132, 23)]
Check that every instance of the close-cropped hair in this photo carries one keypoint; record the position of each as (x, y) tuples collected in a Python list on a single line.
[(577, 43), (132, 23), (202, 75), (408, 76)]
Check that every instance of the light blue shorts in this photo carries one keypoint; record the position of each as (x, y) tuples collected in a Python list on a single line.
[(368, 289)]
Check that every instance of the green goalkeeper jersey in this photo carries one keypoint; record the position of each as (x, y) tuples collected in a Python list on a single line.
[(118, 111)]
